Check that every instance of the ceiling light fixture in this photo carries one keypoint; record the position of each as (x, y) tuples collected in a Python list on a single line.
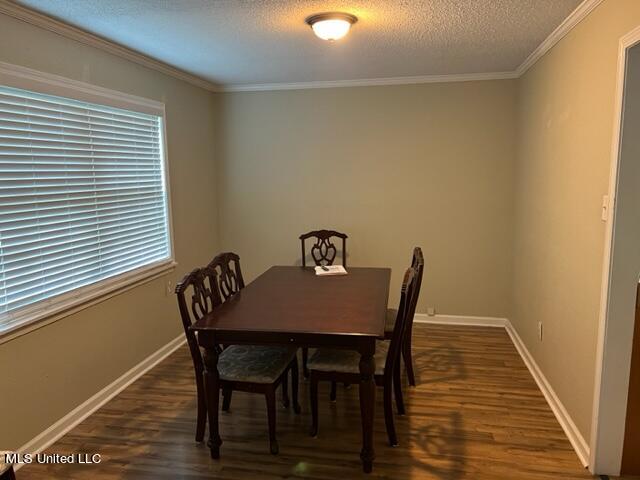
[(331, 26)]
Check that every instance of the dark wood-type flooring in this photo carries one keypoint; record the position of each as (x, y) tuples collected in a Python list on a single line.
[(476, 414)]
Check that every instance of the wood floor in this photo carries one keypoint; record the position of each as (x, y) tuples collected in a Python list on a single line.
[(476, 414)]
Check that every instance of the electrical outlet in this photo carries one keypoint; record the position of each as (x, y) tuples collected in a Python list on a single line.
[(540, 331), (169, 288), (431, 311)]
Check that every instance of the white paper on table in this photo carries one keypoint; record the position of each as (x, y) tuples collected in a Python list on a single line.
[(331, 270)]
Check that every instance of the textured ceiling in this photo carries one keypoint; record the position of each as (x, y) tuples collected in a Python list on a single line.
[(236, 42)]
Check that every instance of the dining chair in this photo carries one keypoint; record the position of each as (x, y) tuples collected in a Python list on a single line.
[(248, 368), (338, 365), (229, 274), (202, 301), (229, 281), (323, 252), (417, 263)]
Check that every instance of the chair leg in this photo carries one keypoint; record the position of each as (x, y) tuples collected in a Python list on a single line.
[(270, 396), (285, 390), (201, 421), (313, 396), (332, 395), (408, 360), (388, 414), (397, 388), (305, 357), (226, 399), (295, 374)]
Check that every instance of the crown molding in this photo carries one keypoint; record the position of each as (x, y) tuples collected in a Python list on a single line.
[(370, 82), (37, 19), (25, 14), (574, 18)]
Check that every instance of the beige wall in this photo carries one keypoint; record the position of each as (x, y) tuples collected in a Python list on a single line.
[(393, 167), (48, 372), (565, 128), (499, 181)]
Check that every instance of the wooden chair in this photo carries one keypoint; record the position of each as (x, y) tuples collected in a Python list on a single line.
[(323, 252), (343, 365), (258, 369), (229, 275), (202, 301), (417, 263), (229, 281)]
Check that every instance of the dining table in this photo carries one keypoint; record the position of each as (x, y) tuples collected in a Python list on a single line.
[(291, 305)]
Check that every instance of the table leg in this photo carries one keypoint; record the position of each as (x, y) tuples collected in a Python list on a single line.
[(367, 405), (212, 389)]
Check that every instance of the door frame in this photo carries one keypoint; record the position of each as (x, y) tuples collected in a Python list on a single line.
[(611, 381)]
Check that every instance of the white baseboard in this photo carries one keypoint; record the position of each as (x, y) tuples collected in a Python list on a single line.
[(580, 446), (82, 411), (564, 419), (460, 320)]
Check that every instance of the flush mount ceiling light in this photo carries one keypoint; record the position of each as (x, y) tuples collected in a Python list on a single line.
[(331, 26)]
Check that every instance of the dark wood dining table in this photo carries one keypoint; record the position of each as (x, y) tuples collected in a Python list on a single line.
[(294, 306)]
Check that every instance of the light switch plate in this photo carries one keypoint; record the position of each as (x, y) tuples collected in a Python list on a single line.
[(605, 208), (540, 331)]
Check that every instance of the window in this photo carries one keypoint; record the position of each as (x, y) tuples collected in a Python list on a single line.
[(83, 200)]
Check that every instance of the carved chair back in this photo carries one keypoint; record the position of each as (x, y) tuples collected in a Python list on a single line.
[(197, 295), (228, 274), (407, 295), (323, 251)]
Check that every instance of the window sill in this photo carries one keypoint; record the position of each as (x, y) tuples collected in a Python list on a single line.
[(62, 308)]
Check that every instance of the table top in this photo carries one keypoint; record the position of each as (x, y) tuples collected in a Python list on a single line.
[(295, 299)]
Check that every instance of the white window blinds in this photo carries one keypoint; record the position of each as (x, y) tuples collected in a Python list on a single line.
[(82, 196)]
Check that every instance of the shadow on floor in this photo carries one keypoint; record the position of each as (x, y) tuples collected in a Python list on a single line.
[(440, 363)]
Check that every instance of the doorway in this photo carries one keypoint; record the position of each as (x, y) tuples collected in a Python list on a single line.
[(621, 274)]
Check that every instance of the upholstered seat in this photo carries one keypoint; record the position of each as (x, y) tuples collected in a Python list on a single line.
[(392, 314), (337, 365), (252, 368), (254, 364), (323, 252), (346, 361)]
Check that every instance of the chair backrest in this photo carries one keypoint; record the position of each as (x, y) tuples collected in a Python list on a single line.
[(417, 263), (228, 274), (195, 300), (407, 296), (323, 251)]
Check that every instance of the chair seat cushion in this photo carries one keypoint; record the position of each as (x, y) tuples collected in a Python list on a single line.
[(346, 361), (4, 466), (390, 323), (254, 363)]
